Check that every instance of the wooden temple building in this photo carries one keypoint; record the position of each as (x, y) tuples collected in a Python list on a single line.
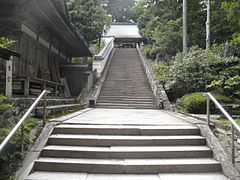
[(45, 39)]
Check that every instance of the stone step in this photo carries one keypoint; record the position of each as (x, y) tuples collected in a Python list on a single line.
[(127, 152), (150, 99), (126, 96), (123, 105), (114, 140), (38, 175), (125, 130), (124, 91), (111, 101), (55, 110), (127, 166), (133, 100)]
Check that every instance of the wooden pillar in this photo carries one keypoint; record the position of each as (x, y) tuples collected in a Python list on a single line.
[(9, 66), (56, 91), (26, 86)]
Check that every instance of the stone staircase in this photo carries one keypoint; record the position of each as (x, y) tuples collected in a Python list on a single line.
[(126, 85), (125, 149)]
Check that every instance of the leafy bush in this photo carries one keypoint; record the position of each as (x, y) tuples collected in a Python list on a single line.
[(151, 52), (192, 71), (196, 102), (162, 73), (5, 42), (230, 86)]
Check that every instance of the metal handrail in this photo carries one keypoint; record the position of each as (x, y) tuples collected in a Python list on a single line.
[(25, 116), (233, 123)]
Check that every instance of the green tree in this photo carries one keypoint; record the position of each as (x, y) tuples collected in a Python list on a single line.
[(88, 17), (120, 10), (232, 7), (160, 24)]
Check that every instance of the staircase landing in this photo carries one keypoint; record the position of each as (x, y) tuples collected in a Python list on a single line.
[(121, 144)]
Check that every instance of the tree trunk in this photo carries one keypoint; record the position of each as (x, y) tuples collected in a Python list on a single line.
[(99, 45), (185, 33), (208, 25)]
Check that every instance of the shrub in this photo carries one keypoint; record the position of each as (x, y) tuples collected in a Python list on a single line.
[(192, 71), (196, 102), (162, 73)]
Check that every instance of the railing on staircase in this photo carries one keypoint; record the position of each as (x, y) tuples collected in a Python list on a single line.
[(100, 60), (20, 123), (102, 63), (234, 125)]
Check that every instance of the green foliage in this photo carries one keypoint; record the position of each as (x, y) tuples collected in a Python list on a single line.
[(225, 121), (65, 113), (6, 43), (162, 73), (151, 52), (160, 24), (233, 13), (192, 71), (95, 46), (3, 98), (196, 102), (120, 10), (5, 106), (88, 17), (11, 157), (230, 86)]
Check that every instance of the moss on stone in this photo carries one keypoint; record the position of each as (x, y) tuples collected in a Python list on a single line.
[(65, 113)]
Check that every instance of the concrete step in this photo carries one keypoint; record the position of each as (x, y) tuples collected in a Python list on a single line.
[(127, 166), (126, 97), (38, 175), (54, 110), (102, 99), (125, 130), (128, 152), (112, 101), (123, 105), (114, 140)]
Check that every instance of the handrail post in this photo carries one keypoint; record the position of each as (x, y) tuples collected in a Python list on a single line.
[(232, 144), (44, 109), (22, 138), (208, 111)]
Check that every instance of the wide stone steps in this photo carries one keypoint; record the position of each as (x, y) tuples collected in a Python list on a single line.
[(114, 140), (163, 176), (125, 106), (130, 166), (125, 102), (82, 147), (126, 78), (122, 99), (125, 130), (126, 97), (126, 152)]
